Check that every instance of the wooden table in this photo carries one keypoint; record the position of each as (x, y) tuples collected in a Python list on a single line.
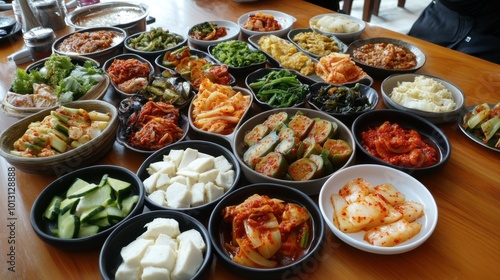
[(464, 245)]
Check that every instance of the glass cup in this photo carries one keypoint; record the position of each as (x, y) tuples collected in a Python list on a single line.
[(83, 3)]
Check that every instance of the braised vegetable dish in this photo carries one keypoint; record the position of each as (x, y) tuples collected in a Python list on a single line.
[(386, 55), (343, 99)]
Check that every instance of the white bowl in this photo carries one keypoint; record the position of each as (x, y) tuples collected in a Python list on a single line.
[(346, 37), (232, 29), (378, 174), (392, 81), (285, 20)]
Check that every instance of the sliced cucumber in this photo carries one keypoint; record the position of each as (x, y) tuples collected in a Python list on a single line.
[(301, 125), (69, 204), (256, 134), (68, 225), (53, 209), (263, 147), (128, 203), (322, 130), (91, 212), (275, 120), (82, 191), (286, 132), (288, 147), (87, 230), (272, 165), (76, 186), (302, 169), (339, 150), (101, 196), (121, 188)]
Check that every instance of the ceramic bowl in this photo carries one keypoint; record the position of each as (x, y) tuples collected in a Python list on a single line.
[(379, 72), (335, 25), (58, 187), (222, 57), (232, 29), (342, 47), (70, 160), (130, 230), (101, 56), (430, 134), (202, 147), (367, 93), (176, 41), (393, 81), (378, 174), (285, 20), (310, 187), (288, 195), (126, 56)]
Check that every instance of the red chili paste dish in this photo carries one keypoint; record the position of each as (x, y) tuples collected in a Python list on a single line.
[(398, 146)]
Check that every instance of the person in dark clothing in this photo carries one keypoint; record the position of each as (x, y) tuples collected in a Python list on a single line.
[(468, 26)]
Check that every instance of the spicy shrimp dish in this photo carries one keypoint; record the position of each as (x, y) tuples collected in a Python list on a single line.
[(382, 212)]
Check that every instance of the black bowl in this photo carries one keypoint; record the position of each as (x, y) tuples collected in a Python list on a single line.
[(430, 133), (110, 259), (257, 74), (210, 148), (348, 117), (92, 174), (278, 191), (379, 72)]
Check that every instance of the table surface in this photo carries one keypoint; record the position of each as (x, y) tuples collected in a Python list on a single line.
[(464, 244)]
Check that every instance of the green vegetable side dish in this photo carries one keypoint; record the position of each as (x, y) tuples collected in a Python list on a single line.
[(280, 89), (237, 54), (343, 99), (88, 208), (483, 121), (71, 81), (156, 39)]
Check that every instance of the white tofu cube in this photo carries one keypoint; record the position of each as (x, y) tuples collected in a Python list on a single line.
[(178, 179), (188, 156), (208, 176), (155, 273), (125, 272), (176, 156), (165, 239), (168, 168), (163, 181), (202, 155), (194, 236), (162, 225), (197, 194), (178, 196), (189, 260), (188, 174), (150, 183), (222, 164), (154, 167), (158, 197), (134, 251), (159, 256), (225, 179), (212, 191), (200, 165)]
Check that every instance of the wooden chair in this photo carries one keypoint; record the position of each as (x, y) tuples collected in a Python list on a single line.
[(370, 7)]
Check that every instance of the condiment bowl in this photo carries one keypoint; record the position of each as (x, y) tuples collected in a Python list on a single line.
[(110, 257), (335, 24), (367, 95), (218, 229), (61, 163), (59, 187), (429, 133), (221, 53), (285, 20), (232, 33), (169, 41), (393, 81), (375, 175), (126, 56), (342, 47), (204, 147), (380, 72), (100, 55), (311, 186)]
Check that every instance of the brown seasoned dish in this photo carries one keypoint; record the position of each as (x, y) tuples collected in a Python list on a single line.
[(89, 42), (385, 55)]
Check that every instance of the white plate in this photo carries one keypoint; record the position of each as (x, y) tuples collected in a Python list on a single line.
[(285, 20), (378, 174), (232, 29)]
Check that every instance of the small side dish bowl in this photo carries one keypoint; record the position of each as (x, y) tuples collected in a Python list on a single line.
[(204, 147), (380, 72), (320, 50), (158, 41), (345, 27), (61, 163), (428, 86), (430, 134), (285, 20), (311, 186), (110, 257), (126, 56), (59, 187), (232, 33), (375, 175), (240, 56), (101, 55), (217, 229), (345, 107), (261, 73)]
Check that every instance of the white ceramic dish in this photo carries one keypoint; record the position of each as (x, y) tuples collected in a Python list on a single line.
[(232, 29), (392, 82), (378, 174), (346, 37), (285, 20)]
